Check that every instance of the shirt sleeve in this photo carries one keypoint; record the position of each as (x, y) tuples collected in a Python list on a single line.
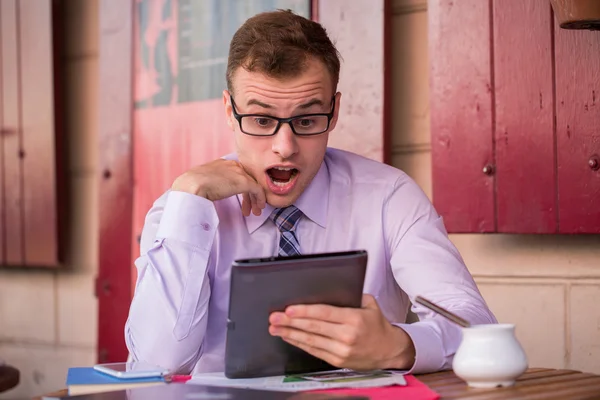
[(168, 314), (425, 262)]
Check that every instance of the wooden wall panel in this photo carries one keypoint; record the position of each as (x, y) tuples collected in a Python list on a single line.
[(38, 145), (578, 129), (11, 135), (2, 244), (524, 132), (360, 30), (116, 185), (461, 101), (30, 207)]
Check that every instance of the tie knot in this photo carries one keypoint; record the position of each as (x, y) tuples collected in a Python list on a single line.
[(286, 218)]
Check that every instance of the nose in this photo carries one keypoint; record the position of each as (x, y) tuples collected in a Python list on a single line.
[(285, 143)]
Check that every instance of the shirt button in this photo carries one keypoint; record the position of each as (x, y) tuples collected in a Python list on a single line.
[(205, 226)]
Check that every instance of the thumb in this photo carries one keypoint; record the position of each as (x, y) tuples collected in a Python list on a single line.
[(369, 302)]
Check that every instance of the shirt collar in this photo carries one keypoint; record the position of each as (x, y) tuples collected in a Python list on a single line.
[(313, 202)]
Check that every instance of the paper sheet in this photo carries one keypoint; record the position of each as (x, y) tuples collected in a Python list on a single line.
[(303, 382)]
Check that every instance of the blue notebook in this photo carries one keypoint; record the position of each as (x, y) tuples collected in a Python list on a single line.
[(83, 380), (89, 376)]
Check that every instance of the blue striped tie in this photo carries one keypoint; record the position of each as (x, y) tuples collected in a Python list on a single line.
[(286, 219)]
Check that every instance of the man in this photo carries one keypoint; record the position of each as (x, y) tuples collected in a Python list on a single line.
[(284, 192)]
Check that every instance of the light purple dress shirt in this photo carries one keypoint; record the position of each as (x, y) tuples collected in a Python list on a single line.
[(179, 311)]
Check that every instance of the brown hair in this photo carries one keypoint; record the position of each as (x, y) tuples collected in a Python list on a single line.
[(279, 44)]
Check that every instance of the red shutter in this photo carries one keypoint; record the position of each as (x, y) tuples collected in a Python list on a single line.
[(578, 130), (514, 119), (30, 139), (462, 114), (524, 131)]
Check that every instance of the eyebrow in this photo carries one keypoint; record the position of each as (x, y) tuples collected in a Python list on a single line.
[(310, 103), (258, 103), (304, 106)]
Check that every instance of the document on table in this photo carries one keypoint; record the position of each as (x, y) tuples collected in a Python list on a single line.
[(342, 378)]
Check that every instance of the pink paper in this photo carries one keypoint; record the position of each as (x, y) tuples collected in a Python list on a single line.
[(414, 390)]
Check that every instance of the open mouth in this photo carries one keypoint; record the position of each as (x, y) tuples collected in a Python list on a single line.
[(282, 176), (281, 180)]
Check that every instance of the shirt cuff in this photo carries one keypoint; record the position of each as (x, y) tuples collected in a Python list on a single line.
[(428, 348), (190, 219)]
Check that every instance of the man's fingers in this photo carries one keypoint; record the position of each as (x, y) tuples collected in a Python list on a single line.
[(322, 312), (246, 204), (255, 188), (260, 197), (311, 340), (319, 353), (257, 196), (369, 301)]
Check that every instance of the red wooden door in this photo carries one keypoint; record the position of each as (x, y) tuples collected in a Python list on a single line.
[(514, 115), (178, 118)]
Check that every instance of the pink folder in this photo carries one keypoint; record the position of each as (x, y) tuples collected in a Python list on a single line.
[(414, 390)]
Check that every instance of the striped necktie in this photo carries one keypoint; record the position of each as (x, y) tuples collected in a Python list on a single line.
[(286, 219)]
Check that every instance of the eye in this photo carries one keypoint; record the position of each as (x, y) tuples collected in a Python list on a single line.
[(304, 122), (263, 122)]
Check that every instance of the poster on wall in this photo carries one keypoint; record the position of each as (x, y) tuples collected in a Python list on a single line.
[(182, 46), (180, 58)]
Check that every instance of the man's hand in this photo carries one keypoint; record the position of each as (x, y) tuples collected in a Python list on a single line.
[(220, 179), (359, 339)]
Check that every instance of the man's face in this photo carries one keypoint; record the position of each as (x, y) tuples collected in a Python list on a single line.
[(283, 164)]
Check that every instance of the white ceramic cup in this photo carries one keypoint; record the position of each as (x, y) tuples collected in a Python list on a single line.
[(489, 356)]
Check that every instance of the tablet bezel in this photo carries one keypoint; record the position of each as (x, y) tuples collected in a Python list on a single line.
[(304, 279)]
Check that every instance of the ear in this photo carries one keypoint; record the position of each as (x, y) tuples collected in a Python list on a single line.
[(228, 109), (336, 111)]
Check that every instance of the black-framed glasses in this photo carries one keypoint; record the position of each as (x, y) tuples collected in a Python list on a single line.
[(267, 125)]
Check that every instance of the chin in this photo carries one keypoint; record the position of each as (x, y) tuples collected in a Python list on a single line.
[(278, 201)]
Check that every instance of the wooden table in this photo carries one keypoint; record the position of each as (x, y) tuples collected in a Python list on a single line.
[(9, 377), (536, 383)]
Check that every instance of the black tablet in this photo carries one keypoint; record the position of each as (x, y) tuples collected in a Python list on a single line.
[(264, 285)]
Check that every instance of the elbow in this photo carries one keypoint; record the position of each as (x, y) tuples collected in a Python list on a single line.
[(152, 350)]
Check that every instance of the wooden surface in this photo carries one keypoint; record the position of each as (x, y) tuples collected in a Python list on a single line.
[(578, 129), (461, 105), (524, 134), (11, 136), (9, 378), (29, 162), (38, 155), (113, 286), (536, 383)]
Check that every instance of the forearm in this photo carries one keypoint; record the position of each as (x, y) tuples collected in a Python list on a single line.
[(168, 315)]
